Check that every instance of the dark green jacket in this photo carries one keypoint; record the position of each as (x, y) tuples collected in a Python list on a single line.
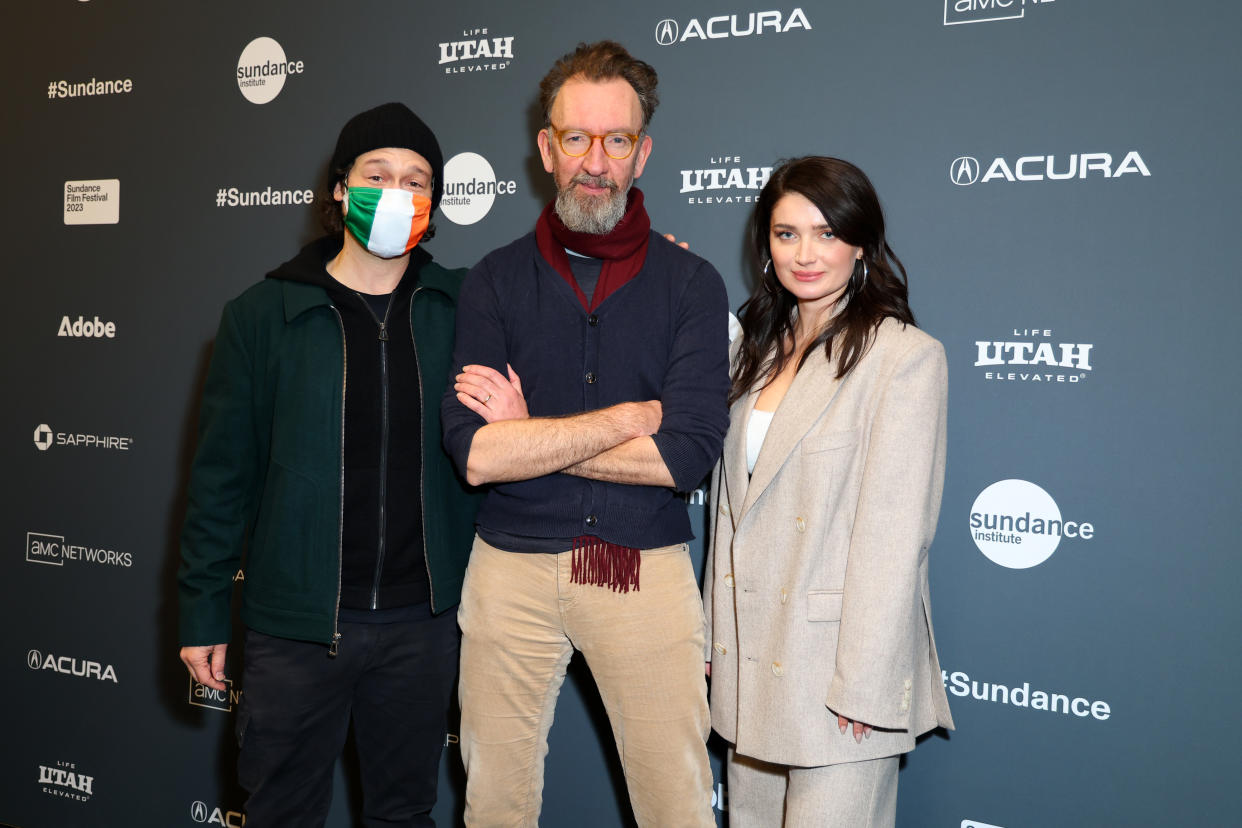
[(268, 473)]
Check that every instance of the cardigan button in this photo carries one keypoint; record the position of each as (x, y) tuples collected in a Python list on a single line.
[(590, 377), (800, 524), (720, 648), (777, 669), (591, 520), (728, 579), (784, 597), (592, 320)]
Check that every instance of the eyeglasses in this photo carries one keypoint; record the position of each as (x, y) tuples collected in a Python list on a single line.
[(575, 143)]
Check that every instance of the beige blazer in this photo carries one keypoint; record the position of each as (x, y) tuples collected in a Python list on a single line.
[(816, 585)]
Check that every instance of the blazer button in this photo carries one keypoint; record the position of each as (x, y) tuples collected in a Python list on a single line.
[(590, 377), (718, 647), (724, 508), (729, 580), (777, 669), (592, 320), (800, 524), (591, 520)]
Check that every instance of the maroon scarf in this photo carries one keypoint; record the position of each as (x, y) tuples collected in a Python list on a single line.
[(623, 250), (596, 561)]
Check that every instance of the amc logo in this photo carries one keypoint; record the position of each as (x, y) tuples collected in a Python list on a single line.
[(223, 700), (45, 549)]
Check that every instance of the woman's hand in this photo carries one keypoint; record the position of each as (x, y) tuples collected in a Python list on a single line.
[(493, 397), (860, 730)]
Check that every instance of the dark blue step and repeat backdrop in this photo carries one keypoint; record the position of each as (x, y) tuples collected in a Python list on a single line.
[(1061, 178)]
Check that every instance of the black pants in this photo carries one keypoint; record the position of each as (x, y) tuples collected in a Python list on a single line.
[(393, 680)]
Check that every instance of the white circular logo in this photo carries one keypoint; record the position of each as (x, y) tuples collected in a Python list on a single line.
[(470, 188), (262, 69), (198, 811), (34, 659), (666, 32), (1017, 524), (43, 437), (964, 170)]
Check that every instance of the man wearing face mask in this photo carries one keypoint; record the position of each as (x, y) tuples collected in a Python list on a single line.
[(319, 453)]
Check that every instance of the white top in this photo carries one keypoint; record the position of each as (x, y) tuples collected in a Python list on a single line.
[(756, 430)]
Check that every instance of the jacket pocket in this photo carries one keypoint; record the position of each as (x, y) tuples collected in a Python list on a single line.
[(823, 605), (287, 540), (829, 440)]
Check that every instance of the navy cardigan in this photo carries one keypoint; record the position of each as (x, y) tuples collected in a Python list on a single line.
[(663, 335)]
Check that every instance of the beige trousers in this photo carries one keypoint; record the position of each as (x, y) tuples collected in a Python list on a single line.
[(848, 795), (521, 619)]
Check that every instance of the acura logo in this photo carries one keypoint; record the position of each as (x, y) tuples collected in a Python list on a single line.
[(666, 32), (43, 437), (198, 811), (34, 659), (964, 170)]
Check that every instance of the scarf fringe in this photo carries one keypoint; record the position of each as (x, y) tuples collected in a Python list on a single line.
[(597, 562)]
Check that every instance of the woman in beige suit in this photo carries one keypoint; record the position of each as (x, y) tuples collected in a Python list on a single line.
[(821, 653)]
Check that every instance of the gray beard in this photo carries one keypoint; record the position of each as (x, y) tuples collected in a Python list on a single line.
[(590, 215)]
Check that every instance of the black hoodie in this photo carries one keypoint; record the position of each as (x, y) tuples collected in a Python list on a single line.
[(379, 571)]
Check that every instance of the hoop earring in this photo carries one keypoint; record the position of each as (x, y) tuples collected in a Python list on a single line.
[(858, 284), (767, 265)]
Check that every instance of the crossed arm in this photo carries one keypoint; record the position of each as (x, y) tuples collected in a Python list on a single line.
[(611, 444)]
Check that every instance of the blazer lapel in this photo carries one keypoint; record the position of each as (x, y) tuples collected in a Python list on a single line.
[(808, 396), (734, 454)]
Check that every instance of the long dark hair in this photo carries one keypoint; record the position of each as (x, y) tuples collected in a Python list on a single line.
[(850, 206)]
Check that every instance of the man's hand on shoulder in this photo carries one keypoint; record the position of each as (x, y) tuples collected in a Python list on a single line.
[(206, 664)]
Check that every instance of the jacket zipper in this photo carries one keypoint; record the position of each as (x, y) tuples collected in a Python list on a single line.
[(383, 458), (334, 646), (422, 453)]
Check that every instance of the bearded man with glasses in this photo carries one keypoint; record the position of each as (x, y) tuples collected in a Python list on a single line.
[(592, 359)]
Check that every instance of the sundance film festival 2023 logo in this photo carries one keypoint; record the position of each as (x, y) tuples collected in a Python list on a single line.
[(987, 11), (670, 32), (45, 438), (966, 170), (1031, 355), (204, 815), (1018, 525), (93, 202), (66, 781), (263, 68), (42, 548), (725, 179), (471, 188), (476, 51)]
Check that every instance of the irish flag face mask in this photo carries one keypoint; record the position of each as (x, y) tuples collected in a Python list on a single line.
[(388, 222)]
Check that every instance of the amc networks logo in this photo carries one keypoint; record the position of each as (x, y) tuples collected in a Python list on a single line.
[(223, 700)]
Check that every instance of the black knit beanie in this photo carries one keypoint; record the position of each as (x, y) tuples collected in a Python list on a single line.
[(390, 125)]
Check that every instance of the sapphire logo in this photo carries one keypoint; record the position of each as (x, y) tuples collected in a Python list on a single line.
[(43, 437), (666, 32), (964, 170)]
